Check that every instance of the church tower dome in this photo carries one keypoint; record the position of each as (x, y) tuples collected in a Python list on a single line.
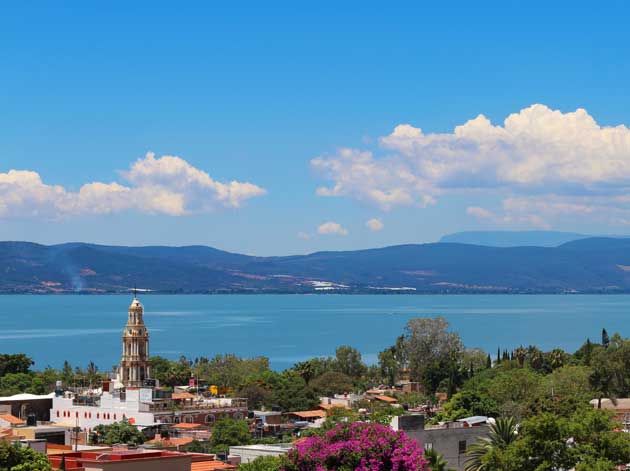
[(135, 367)]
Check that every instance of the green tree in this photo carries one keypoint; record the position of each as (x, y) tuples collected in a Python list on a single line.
[(229, 371), (349, 362), (199, 447), (331, 383), (388, 366), (605, 339), (256, 393), (602, 379), (549, 442), (466, 403), (429, 343), (262, 463), (16, 383), (314, 367), (67, 374), (14, 363), (520, 354), (291, 393), (515, 390), (536, 358), (585, 352), (229, 432), (13, 457), (557, 358), (567, 390), (118, 432)]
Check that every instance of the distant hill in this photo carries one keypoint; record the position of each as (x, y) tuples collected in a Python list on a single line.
[(592, 265), (513, 238)]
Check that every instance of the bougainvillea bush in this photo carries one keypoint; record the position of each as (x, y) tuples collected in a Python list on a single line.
[(358, 446)]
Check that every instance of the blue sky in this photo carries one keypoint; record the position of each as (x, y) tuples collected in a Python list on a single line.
[(272, 94)]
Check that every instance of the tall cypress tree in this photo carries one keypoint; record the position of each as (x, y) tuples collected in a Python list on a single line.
[(498, 355), (488, 362), (605, 339), (588, 352)]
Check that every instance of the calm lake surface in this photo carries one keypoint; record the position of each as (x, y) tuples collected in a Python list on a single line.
[(291, 328)]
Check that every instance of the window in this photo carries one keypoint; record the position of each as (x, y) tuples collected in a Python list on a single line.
[(237, 416), (428, 446), (209, 419), (462, 446), (57, 413)]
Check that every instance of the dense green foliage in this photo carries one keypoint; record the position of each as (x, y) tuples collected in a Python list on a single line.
[(17, 377), (16, 458), (118, 432), (262, 463), (586, 440), (229, 432)]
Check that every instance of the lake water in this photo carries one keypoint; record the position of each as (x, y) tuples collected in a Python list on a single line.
[(291, 328)]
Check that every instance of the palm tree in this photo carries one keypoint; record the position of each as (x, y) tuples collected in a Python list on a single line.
[(502, 434), (557, 358), (536, 357), (520, 354), (436, 460)]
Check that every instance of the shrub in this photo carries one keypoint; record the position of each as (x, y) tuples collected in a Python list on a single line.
[(358, 446)]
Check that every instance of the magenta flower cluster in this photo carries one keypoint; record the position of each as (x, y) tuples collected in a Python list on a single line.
[(358, 446)]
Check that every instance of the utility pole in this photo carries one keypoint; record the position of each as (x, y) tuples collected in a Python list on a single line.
[(75, 435)]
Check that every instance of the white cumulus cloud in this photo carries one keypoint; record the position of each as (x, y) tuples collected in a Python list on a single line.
[(374, 224), (332, 228), (479, 212), (166, 185), (534, 152)]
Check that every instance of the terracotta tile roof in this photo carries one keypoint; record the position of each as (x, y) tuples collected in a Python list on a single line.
[(183, 425), (309, 414), (333, 406), (172, 442), (385, 398), (181, 396), (11, 419), (214, 465)]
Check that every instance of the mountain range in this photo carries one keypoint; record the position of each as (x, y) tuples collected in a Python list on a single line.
[(514, 238), (590, 265)]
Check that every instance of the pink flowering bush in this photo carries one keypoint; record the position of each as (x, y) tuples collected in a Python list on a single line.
[(358, 446)]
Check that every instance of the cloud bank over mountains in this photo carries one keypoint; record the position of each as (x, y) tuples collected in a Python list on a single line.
[(539, 168), (167, 185), (541, 164)]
